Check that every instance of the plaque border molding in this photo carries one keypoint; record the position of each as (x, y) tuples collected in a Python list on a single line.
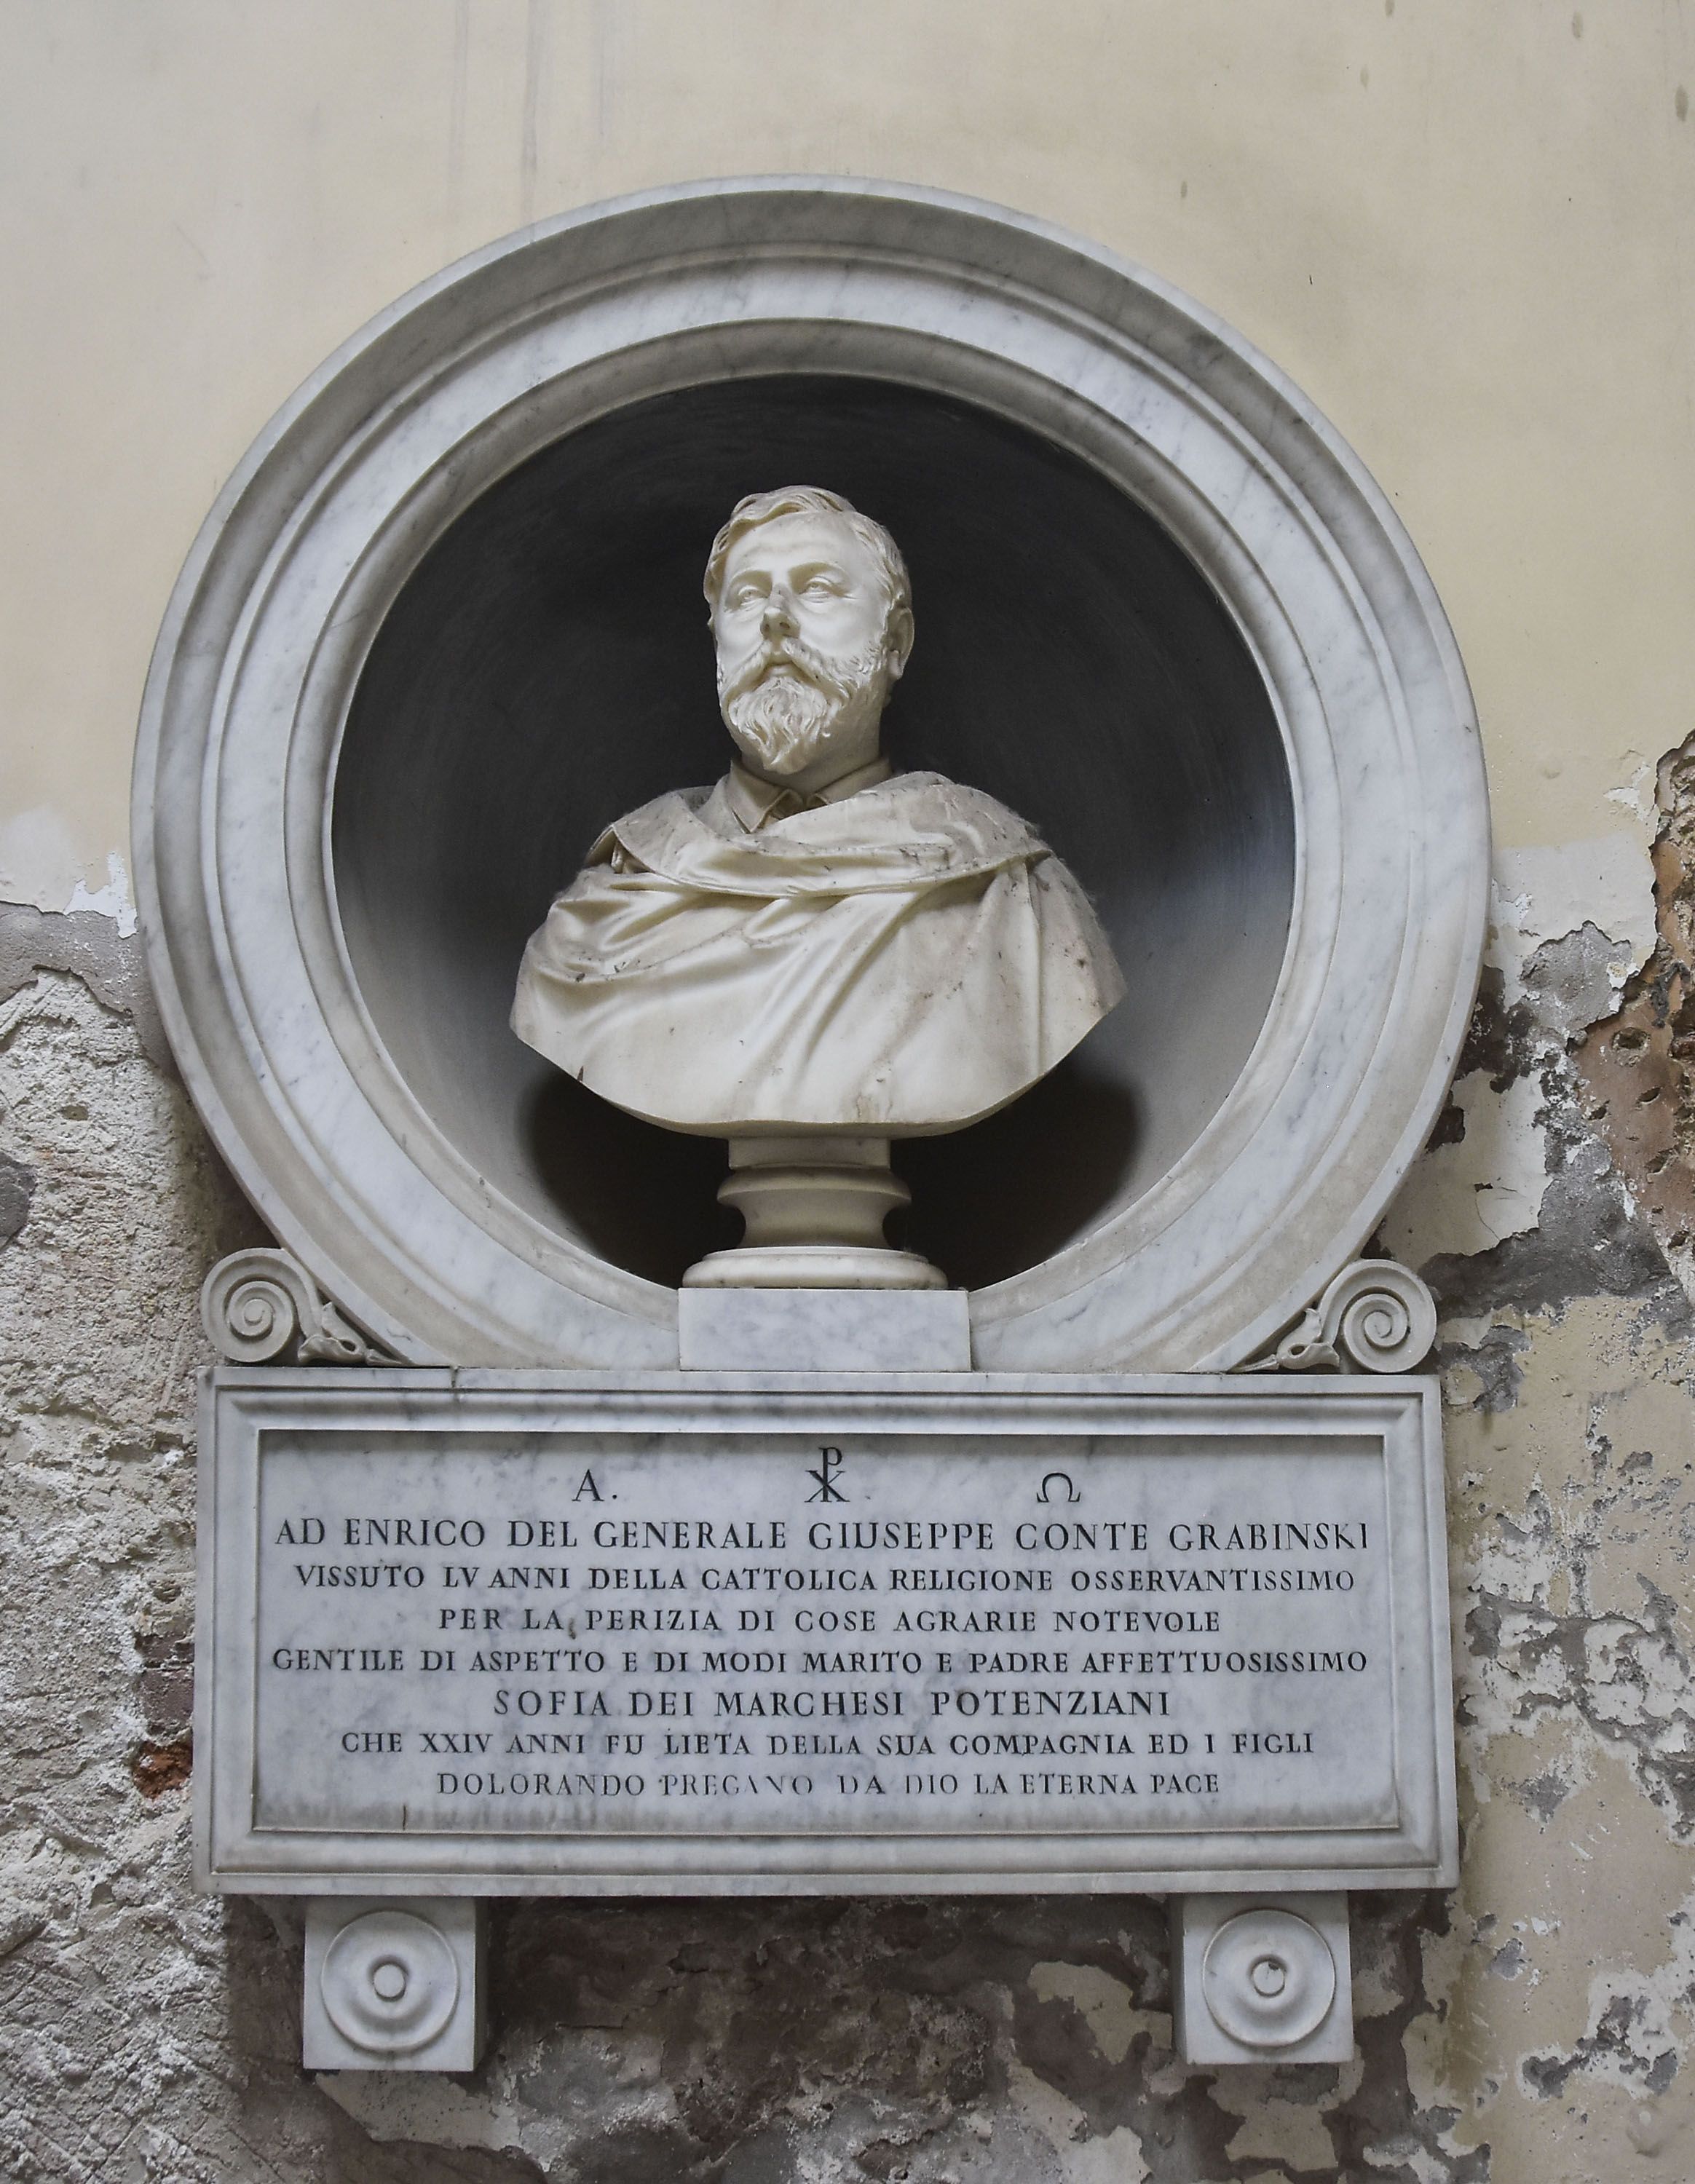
[(240, 1406)]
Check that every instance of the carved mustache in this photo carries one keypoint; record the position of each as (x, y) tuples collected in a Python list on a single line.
[(813, 667)]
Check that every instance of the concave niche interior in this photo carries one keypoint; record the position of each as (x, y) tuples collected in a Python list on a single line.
[(547, 667)]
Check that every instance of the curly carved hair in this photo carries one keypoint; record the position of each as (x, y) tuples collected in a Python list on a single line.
[(809, 500)]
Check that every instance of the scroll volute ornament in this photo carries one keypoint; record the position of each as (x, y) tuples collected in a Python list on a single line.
[(1376, 1317), (262, 1308)]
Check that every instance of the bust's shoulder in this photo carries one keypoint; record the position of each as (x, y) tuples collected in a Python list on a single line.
[(655, 820), (933, 802)]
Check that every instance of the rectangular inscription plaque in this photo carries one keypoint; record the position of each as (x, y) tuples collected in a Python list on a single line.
[(690, 1632)]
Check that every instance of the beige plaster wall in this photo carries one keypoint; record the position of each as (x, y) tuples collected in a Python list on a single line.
[(1463, 228), (1462, 225)]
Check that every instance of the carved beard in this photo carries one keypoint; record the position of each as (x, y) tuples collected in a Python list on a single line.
[(783, 722)]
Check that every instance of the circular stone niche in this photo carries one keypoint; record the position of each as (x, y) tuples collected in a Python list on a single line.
[(547, 667), (445, 623)]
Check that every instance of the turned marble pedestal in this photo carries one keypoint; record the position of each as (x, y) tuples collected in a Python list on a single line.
[(814, 1208)]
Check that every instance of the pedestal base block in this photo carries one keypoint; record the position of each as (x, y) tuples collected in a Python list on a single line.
[(805, 1330)]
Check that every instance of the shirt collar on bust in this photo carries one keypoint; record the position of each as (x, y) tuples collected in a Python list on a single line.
[(754, 802)]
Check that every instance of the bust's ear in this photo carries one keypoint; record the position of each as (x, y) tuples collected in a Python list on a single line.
[(899, 637)]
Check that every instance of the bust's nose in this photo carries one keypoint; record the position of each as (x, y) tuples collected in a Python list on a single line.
[(778, 618)]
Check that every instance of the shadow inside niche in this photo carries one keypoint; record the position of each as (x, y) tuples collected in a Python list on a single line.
[(1022, 1183), (547, 667), (643, 1197), (647, 1198)]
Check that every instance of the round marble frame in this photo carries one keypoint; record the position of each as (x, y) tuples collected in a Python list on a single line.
[(472, 373)]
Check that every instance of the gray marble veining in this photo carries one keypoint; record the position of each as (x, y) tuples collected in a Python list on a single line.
[(381, 1190), (824, 1330), (724, 1632)]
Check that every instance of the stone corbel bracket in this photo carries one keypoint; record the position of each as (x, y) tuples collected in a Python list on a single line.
[(1262, 1979), (393, 1983), (1375, 1317), (262, 1308)]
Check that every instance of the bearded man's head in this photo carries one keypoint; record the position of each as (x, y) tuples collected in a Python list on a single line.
[(811, 612)]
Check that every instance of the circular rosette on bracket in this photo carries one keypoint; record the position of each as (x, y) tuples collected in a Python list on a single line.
[(1269, 1978), (390, 1983)]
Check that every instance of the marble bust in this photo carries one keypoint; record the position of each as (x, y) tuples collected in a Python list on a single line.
[(816, 948), (816, 942)]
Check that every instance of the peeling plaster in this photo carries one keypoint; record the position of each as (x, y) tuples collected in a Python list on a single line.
[(1545, 893), (41, 867), (1570, 925), (1484, 1184), (1637, 1067), (92, 947), (1570, 1115), (1108, 2006), (1535, 2023)]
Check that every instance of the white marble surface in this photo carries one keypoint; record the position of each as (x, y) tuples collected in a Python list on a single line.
[(899, 955), (392, 1985), (1264, 1978), (830, 1330), (393, 437), (745, 1633)]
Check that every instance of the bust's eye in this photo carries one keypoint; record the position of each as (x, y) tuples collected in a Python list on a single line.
[(822, 588), (742, 595)]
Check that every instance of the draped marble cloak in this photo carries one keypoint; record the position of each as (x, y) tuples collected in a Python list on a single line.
[(901, 961)]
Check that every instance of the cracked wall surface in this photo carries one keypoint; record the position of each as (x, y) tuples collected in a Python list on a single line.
[(1463, 231), (1534, 2024)]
